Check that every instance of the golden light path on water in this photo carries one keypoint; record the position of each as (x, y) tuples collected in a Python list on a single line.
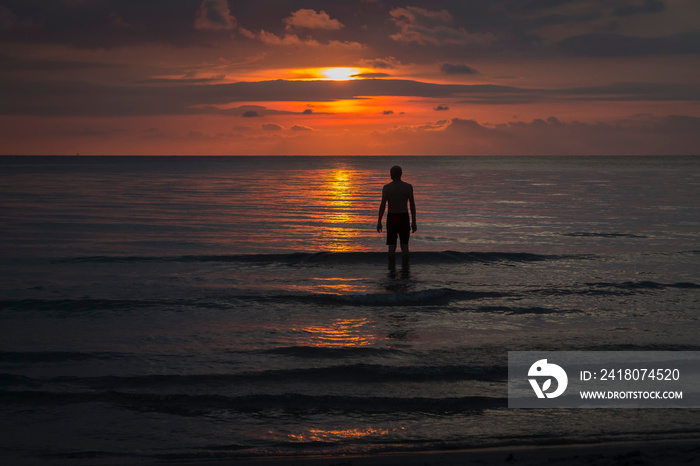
[(337, 333), (335, 435), (337, 211), (338, 195)]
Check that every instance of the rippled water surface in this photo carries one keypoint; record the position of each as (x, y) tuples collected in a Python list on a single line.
[(177, 308)]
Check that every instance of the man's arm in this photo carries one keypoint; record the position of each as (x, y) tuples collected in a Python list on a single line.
[(382, 208), (412, 203)]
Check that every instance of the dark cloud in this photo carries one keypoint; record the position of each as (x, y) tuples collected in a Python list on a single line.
[(504, 99), (388, 112), (616, 7), (329, 90), (180, 81), (639, 91), (448, 68), (462, 126), (523, 26), (616, 92), (609, 45), (537, 13), (271, 127), (536, 5), (24, 97), (114, 23), (387, 63), (301, 128), (308, 111), (457, 26), (370, 75), (640, 135), (10, 22), (649, 6), (441, 108), (28, 64), (433, 27), (214, 15), (678, 123), (247, 111), (560, 19)]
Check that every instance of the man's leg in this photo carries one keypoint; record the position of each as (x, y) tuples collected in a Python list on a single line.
[(392, 255), (404, 254), (405, 235)]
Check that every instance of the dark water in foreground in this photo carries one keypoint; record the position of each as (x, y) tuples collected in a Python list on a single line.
[(175, 308)]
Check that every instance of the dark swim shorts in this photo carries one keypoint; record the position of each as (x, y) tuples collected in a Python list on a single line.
[(398, 224)]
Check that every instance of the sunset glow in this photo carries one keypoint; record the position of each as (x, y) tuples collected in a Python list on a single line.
[(340, 74), (356, 78)]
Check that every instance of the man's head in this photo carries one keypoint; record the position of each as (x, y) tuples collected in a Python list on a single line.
[(396, 173)]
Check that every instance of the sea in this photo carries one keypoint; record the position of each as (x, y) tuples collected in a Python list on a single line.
[(163, 309)]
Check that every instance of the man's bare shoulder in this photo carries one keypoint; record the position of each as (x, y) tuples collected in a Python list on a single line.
[(398, 186), (405, 187)]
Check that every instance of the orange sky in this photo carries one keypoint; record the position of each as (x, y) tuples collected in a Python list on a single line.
[(350, 77)]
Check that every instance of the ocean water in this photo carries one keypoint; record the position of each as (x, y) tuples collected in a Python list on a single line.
[(176, 308)]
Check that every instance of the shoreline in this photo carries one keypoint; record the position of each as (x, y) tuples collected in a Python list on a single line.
[(655, 452)]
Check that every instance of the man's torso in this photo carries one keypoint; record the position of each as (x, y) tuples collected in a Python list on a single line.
[(397, 194)]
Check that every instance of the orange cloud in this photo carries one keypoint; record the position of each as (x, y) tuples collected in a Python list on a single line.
[(310, 19), (294, 40)]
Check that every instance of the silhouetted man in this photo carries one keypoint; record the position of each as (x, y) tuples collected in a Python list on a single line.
[(398, 224)]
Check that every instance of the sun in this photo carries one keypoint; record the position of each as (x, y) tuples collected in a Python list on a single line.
[(335, 73), (340, 74)]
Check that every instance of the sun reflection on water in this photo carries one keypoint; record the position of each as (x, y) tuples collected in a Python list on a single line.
[(339, 285), (326, 285), (339, 192), (329, 209), (338, 333), (335, 435), (338, 213)]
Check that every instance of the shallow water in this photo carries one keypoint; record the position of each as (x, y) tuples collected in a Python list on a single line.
[(175, 308)]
